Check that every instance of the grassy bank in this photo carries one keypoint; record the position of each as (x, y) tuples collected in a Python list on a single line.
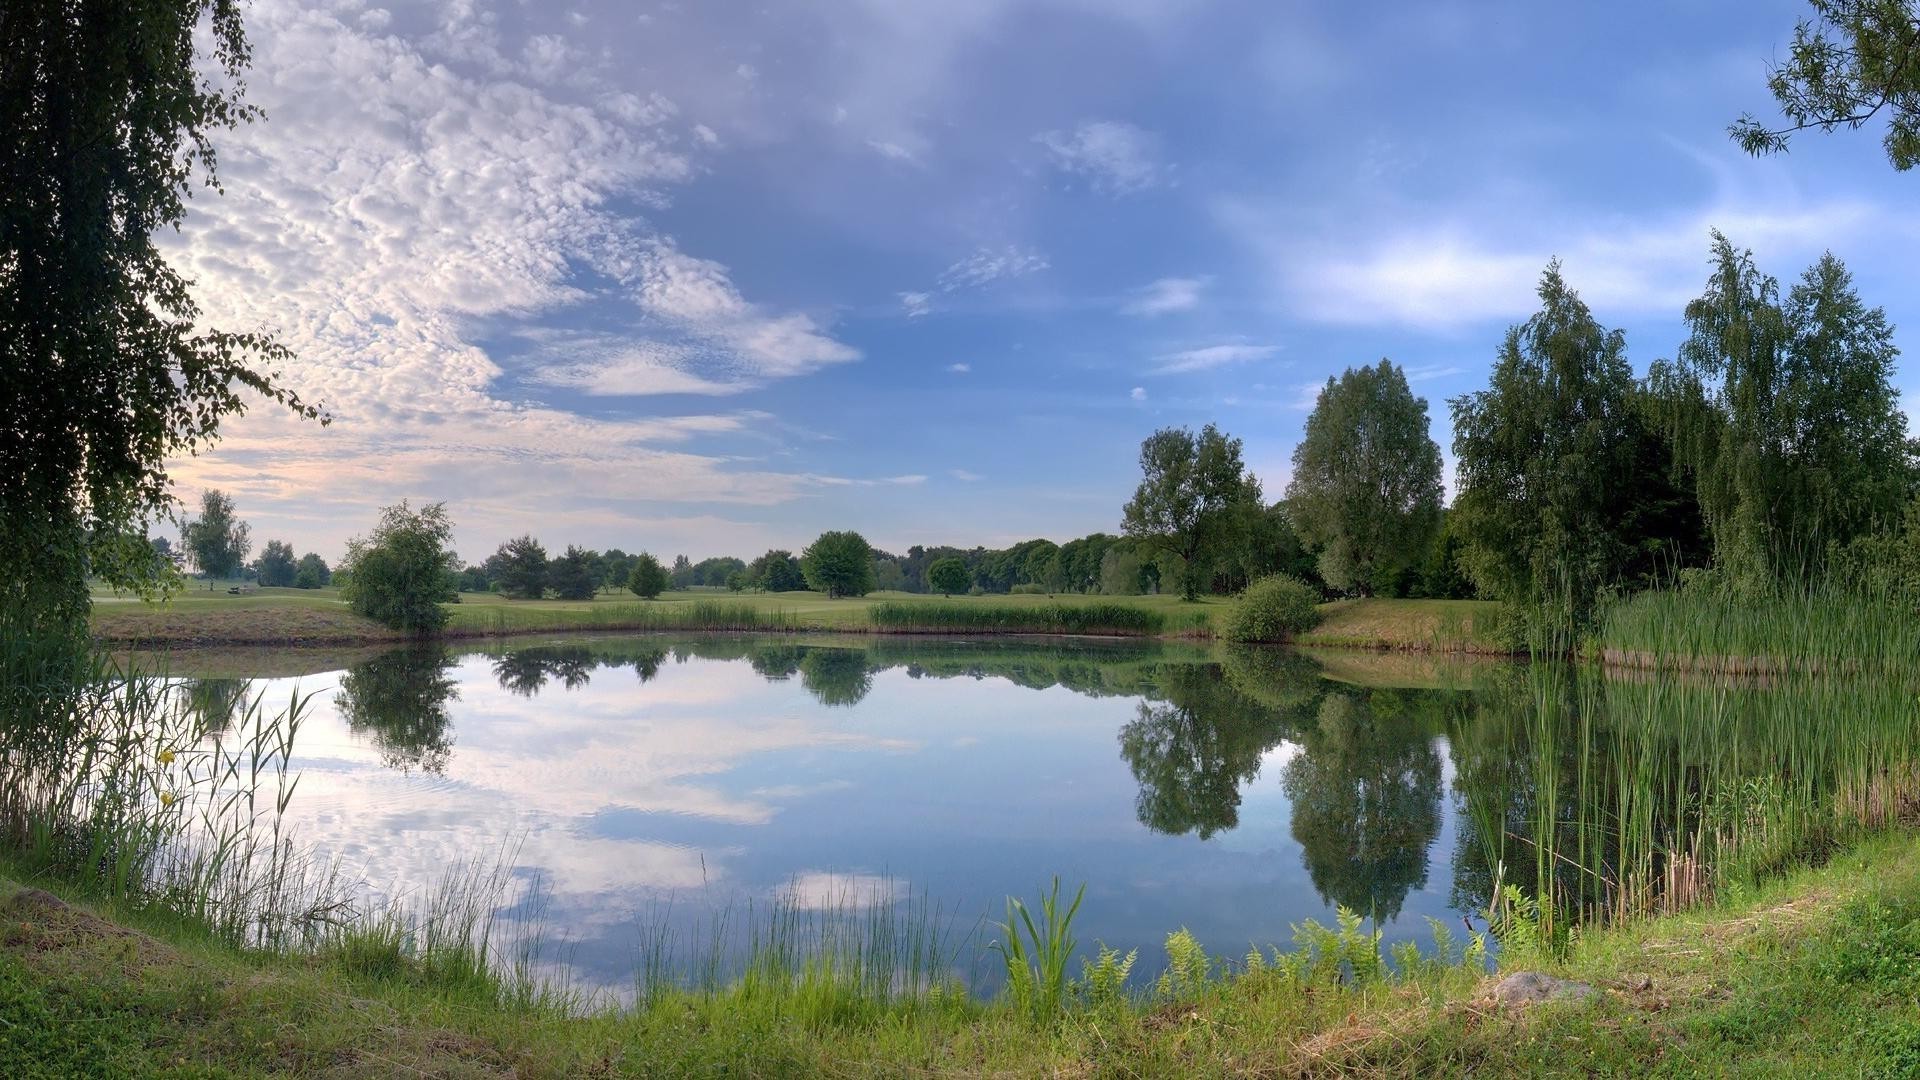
[(1821, 629), (1814, 974), (320, 617)]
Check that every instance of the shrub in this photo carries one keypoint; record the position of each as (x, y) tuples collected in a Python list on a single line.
[(1028, 588), (1273, 609), (648, 579), (948, 576), (403, 571)]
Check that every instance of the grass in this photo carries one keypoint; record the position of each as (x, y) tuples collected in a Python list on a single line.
[(1814, 974), (1827, 627), (1110, 618), (1446, 626)]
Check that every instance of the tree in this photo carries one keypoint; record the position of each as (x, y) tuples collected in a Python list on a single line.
[(647, 579), (777, 571), (217, 539), (402, 572), (276, 565), (1786, 415), (400, 699), (312, 573), (1549, 459), (1853, 61), (1366, 479), (839, 564), (618, 566), (574, 576), (520, 569), (1189, 490), (107, 371), (949, 576), (682, 576)]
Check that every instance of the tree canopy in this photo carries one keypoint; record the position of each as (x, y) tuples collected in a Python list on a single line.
[(276, 565), (1190, 489), (949, 576), (575, 575), (1366, 488), (1855, 60), (217, 539), (519, 568), (107, 369), (402, 572), (839, 564), (647, 579)]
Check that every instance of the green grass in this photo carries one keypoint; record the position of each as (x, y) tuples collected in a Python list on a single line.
[(1819, 628), (1111, 618), (1812, 975), (1458, 626)]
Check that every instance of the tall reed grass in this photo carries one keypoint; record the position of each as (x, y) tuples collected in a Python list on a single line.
[(932, 617), (1830, 626), (716, 615)]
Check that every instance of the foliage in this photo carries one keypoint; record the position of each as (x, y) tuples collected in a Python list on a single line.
[(839, 564), (399, 700), (216, 539), (1852, 61), (1366, 489), (312, 572), (1191, 489), (574, 575), (776, 571), (1787, 415), (1097, 618), (402, 572), (107, 371), (948, 576), (647, 579), (275, 566), (1035, 954), (1273, 609), (1553, 456), (519, 569)]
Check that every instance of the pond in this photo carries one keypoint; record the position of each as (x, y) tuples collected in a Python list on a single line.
[(649, 796)]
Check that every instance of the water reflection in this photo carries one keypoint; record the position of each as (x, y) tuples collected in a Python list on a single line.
[(399, 701), (1193, 752)]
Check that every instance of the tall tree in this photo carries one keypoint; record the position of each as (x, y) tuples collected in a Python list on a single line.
[(1189, 490), (312, 572), (839, 564), (1853, 61), (519, 568), (1547, 458), (1786, 414), (948, 576), (217, 539), (1366, 479), (647, 579), (106, 368), (276, 565), (777, 571), (575, 575)]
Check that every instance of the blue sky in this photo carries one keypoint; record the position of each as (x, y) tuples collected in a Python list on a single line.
[(710, 277)]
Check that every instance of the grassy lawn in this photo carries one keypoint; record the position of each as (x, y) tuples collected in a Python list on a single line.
[(319, 617), (1816, 974)]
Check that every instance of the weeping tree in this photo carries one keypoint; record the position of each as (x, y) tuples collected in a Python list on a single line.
[(106, 369), (1854, 62), (1785, 412)]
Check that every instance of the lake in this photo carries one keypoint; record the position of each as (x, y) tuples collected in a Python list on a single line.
[(658, 795)]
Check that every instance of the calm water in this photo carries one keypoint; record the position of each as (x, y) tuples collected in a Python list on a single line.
[(640, 785)]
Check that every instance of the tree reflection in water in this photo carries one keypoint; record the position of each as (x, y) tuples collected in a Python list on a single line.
[(399, 700)]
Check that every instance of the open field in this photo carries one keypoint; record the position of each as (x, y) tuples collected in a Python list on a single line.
[(320, 617), (1812, 975)]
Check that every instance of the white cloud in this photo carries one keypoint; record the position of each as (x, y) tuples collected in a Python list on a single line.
[(916, 304), (1116, 158), (1167, 295), (964, 476), (988, 265), (892, 151), (1212, 356), (1139, 393), (960, 369)]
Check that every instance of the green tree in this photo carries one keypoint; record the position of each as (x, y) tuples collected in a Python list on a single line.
[(647, 579), (1854, 60), (1194, 753), (1549, 457), (1366, 479), (217, 539), (777, 571), (520, 569), (949, 576), (312, 573), (839, 564), (402, 572), (1190, 488), (575, 575), (107, 369), (1786, 415), (276, 565), (618, 566)]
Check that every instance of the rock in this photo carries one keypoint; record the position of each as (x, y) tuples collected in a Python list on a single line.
[(1529, 987)]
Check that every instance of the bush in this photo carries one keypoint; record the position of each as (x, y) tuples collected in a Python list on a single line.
[(648, 579), (1273, 609), (1029, 588), (403, 571), (948, 576)]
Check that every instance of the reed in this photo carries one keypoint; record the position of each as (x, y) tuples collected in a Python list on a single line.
[(999, 618)]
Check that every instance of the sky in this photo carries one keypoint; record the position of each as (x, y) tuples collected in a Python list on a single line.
[(708, 278)]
